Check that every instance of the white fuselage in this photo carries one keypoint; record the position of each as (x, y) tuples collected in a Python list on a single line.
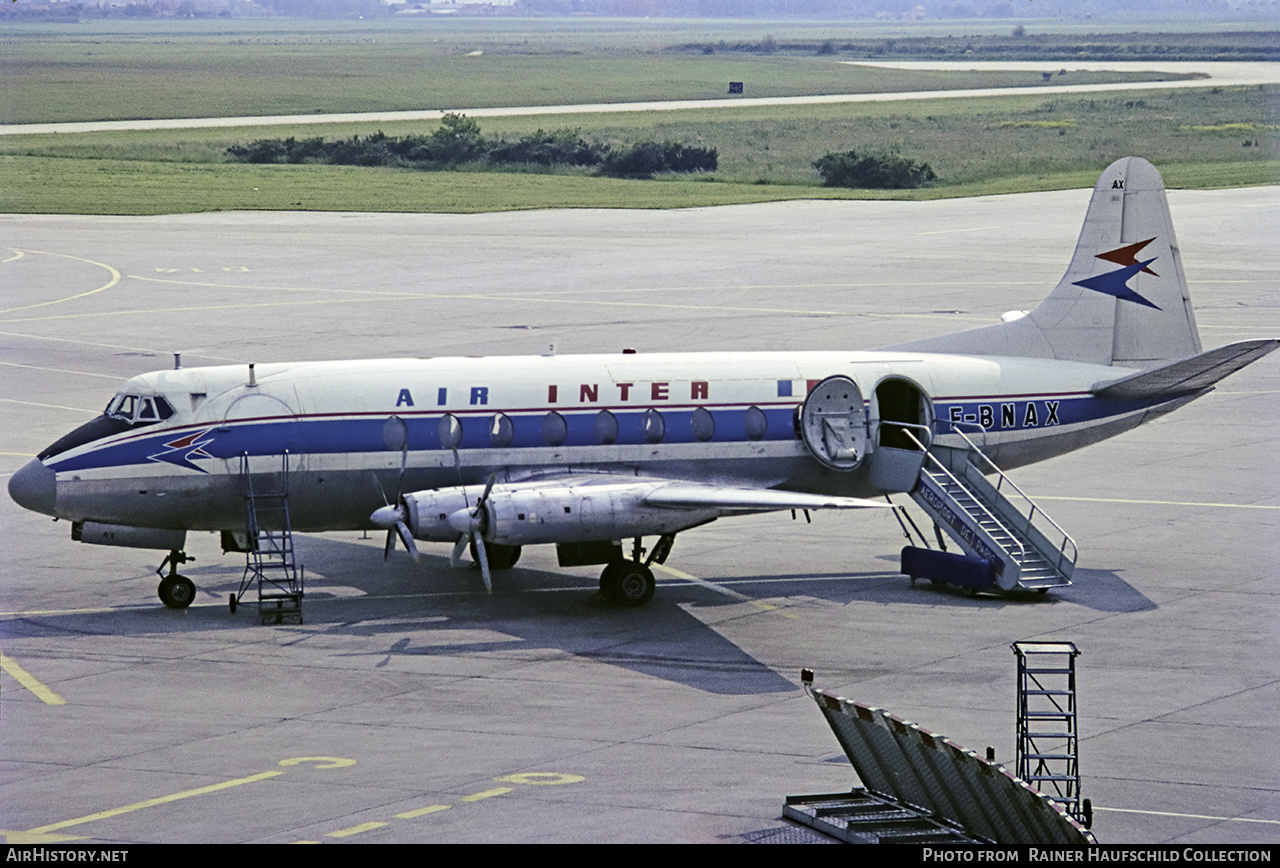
[(344, 428)]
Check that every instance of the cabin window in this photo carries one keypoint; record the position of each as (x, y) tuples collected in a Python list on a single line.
[(501, 431), (704, 424), (655, 427), (756, 423), (606, 427), (554, 428), (450, 431)]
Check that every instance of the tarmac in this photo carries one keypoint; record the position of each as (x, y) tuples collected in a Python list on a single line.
[(412, 707)]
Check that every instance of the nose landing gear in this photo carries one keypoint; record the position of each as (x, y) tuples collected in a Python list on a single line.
[(175, 591)]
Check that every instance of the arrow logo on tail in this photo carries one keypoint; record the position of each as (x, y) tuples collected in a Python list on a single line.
[(1116, 283)]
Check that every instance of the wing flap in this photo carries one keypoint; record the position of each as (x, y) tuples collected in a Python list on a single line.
[(1186, 375)]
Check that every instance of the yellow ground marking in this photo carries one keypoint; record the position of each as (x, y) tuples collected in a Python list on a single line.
[(17, 254), (65, 340), (48, 406), (545, 298), (29, 681), (499, 298), (1160, 502), (61, 371), (40, 834), (321, 762), (486, 794), (1189, 816), (759, 604), (422, 812), (397, 293), (151, 803), (355, 830), (540, 779), (967, 229), (115, 278), (44, 613)]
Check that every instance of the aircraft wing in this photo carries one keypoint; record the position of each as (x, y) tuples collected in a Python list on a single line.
[(694, 495), (1186, 375)]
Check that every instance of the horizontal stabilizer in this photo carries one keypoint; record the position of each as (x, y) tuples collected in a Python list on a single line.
[(690, 495), (1187, 375)]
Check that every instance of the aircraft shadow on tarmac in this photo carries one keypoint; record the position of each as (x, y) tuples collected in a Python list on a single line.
[(432, 609), (1100, 590)]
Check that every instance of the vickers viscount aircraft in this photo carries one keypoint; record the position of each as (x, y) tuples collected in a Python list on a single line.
[(591, 452)]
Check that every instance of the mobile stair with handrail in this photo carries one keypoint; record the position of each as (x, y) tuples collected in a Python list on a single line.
[(270, 564), (993, 519), (1048, 730)]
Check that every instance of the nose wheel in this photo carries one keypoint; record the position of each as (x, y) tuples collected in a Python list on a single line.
[(175, 591)]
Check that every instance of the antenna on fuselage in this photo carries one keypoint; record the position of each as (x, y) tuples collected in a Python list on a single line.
[(177, 361), (253, 380)]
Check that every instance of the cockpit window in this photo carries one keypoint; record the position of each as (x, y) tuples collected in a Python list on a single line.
[(122, 413), (138, 409)]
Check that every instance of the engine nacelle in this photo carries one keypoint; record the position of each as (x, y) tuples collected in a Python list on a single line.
[(534, 513), (427, 512)]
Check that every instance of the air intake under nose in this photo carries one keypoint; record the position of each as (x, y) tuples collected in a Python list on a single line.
[(34, 487)]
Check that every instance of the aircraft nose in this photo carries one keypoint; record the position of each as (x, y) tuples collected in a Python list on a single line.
[(34, 487)]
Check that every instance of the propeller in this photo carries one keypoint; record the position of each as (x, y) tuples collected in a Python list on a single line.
[(471, 524), (395, 517)]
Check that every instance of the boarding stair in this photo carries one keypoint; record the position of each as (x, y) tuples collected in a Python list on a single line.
[(1048, 734), (992, 518), (270, 565)]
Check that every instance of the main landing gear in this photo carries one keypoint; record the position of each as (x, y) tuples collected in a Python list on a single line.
[(175, 591), (630, 583), (500, 557), (627, 583)]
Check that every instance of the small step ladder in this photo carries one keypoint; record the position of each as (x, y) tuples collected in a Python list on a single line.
[(1048, 737), (994, 520), (269, 559)]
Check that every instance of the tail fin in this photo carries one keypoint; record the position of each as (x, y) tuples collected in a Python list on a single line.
[(1123, 300)]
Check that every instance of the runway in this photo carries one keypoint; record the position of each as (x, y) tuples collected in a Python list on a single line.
[(1212, 74), (412, 707)]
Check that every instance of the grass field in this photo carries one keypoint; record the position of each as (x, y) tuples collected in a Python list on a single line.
[(1199, 137)]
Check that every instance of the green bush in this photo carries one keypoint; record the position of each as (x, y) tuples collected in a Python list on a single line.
[(557, 148), (874, 169), (644, 159), (459, 141)]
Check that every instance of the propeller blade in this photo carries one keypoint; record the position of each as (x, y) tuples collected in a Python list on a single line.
[(484, 497), (407, 538), (404, 461), (455, 558), (484, 562), (391, 544), (378, 486)]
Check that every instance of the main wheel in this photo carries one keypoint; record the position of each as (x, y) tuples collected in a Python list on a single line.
[(176, 591), (627, 583), (500, 557)]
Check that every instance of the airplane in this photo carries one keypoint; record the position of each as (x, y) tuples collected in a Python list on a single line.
[(587, 452)]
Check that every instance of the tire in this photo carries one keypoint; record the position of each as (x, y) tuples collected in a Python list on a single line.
[(176, 591), (628, 583), (500, 557)]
